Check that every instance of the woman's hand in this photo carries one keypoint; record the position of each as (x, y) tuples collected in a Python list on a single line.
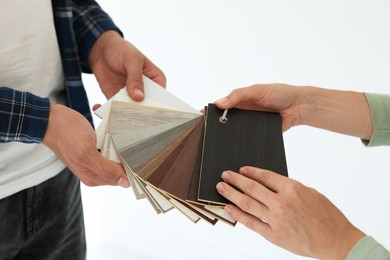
[(288, 214)]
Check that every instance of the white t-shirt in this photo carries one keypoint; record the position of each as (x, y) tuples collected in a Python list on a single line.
[(29, 61)]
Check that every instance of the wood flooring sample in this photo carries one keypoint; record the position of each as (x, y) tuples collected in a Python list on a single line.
[(247, 138)]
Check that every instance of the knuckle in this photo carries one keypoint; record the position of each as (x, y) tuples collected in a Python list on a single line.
[(263, 176), (246, 203), (249, 187), (293, 188), (284, 207), (235, 94), (249, 223), (137, 80)]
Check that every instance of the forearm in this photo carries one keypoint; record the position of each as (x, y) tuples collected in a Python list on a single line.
[(23, 116), (345, 112)]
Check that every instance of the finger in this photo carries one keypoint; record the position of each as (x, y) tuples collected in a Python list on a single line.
[(269, 179), (154, 73), (235, 97), (96, 106), (110, 171), (86, 176), (116, 173), (134, 82), (248, 220), (243, 201), (90, 179), (249, 187)]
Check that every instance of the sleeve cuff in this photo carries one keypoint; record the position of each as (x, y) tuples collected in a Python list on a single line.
[(368, 248), (380, 115), (23, 116)]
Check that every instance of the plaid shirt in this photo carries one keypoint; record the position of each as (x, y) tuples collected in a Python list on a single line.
[(24, 116)]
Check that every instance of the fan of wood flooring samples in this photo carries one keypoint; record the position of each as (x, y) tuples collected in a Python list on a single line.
[(174, 155)]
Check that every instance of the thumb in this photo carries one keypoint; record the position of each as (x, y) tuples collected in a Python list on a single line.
[(230, 101), (109, 170), (134, 82), (243, 98), (116, 173)]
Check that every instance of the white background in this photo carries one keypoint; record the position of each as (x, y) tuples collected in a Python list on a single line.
[(208, 48)]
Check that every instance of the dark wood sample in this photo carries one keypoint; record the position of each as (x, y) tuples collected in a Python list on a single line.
[(248, 138)]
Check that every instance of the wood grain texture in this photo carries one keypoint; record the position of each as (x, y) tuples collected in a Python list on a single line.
[(152, 168), (193, 186), (139, 122), (126, 117), (178, 172), (163, 202), (175, 159), (249, 138), (136, 186), (139, 154)]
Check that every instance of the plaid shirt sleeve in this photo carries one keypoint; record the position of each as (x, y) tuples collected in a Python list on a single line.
[(78, 23), (23, 116), (89, 22)]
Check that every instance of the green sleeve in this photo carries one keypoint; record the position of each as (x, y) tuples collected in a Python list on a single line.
[(368, 248), (380, 116)]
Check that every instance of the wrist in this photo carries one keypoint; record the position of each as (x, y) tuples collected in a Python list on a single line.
[(51, 131), (344, 244)]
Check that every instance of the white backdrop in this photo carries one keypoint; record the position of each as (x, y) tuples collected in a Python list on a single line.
[(208, 48)]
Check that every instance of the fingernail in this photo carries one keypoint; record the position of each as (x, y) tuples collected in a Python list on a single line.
[(228, 209), (123, 182), (222, 101), (243, 170), (138, 92), (225, 175), (220, 187)]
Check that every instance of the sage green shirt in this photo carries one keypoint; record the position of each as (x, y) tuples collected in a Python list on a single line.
[(368, 247), (380, 116)]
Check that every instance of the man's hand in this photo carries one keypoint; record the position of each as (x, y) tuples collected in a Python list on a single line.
[(71, 137), (288, 213), (117, 63)]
